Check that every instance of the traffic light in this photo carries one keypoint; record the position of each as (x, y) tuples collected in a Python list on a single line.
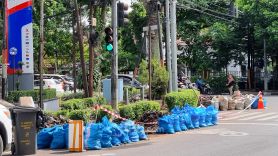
[(108, 39), (122, 14)]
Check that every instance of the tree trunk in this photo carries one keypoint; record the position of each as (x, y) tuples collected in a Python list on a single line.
[(91, 54), (81, 48), (74, 53)]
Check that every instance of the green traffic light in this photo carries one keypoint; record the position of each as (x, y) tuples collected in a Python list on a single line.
[(109, 47)]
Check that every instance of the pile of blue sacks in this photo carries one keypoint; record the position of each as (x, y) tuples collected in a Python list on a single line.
[(187, 117), (96, 135)]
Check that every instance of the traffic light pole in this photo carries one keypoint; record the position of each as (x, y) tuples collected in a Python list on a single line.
[(174, 45), (114, 77)]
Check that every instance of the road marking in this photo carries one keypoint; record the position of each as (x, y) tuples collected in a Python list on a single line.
[(233, 134), (257, 116), (268, 118), (242, 115), (258, 124)]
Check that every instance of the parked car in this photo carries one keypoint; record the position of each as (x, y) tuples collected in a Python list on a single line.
[(128, 80), (55, 84), (5, 129), (66, 81), (37, 84)]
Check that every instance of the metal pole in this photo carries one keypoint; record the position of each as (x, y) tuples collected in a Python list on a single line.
[(168, 50), (13, 70), (159, 35), (41, 50), (174, 45), (114, 80), (150, 53), (265, 66), (4, 47)]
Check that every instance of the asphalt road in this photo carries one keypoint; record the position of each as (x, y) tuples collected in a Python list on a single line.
[(249, 133)]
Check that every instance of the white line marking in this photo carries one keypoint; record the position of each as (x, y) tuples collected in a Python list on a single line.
[(257, 116), (242, 115), (268, 118)]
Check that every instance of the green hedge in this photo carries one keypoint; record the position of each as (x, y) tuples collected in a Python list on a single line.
[(70, 96), (14, 96), (74, 104), (136, 110), (189, 96)]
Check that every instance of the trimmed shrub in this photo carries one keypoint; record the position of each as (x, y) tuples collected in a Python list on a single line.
[(73, 104), (84, 115), (69, 96), (137, 109), (89, 102), (14, 96), (180, 98)]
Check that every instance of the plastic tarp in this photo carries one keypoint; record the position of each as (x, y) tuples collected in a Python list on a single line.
[(45, 137), (93, 134)]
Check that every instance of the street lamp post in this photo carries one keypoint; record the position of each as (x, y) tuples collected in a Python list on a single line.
[(13, 52)]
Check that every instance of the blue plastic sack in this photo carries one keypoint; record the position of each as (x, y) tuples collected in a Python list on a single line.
[(66, 134), (106, 134), (176, 122), (209, 111), (188, 121), (132, 131), (44, 138), (124, 138), (165, 125), (195, 117), (58, 141), (141, 132), (214, 115), (93, 134), (116, 134), (202, 113), (176, 110), (183, 122)]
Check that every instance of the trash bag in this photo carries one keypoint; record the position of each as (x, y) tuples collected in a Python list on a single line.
[(93, 134), (106, 134), (141, 132), (182, 122), (132, 131), (231, 104), (202, 113), (58, 141), (188, 121), (195, 117), (209, 111), (247, 103), (176, 122), (116, 134), (224, 104), (45, 137), (239, 104), (215, 102), (165, 125), (66, 134), (176, 110), (124, 138), (214, 119)]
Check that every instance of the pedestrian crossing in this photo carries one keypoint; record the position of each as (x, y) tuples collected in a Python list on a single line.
[(248, 115)]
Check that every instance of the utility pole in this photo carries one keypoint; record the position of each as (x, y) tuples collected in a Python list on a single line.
[(159, 34), (168, 50), (265, 66), (41, 50), (174, 45), (91, 53), (114, 77), (4, 47)]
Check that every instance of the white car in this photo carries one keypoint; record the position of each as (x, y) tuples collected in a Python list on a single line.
[(5, 129), (52, 83)]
